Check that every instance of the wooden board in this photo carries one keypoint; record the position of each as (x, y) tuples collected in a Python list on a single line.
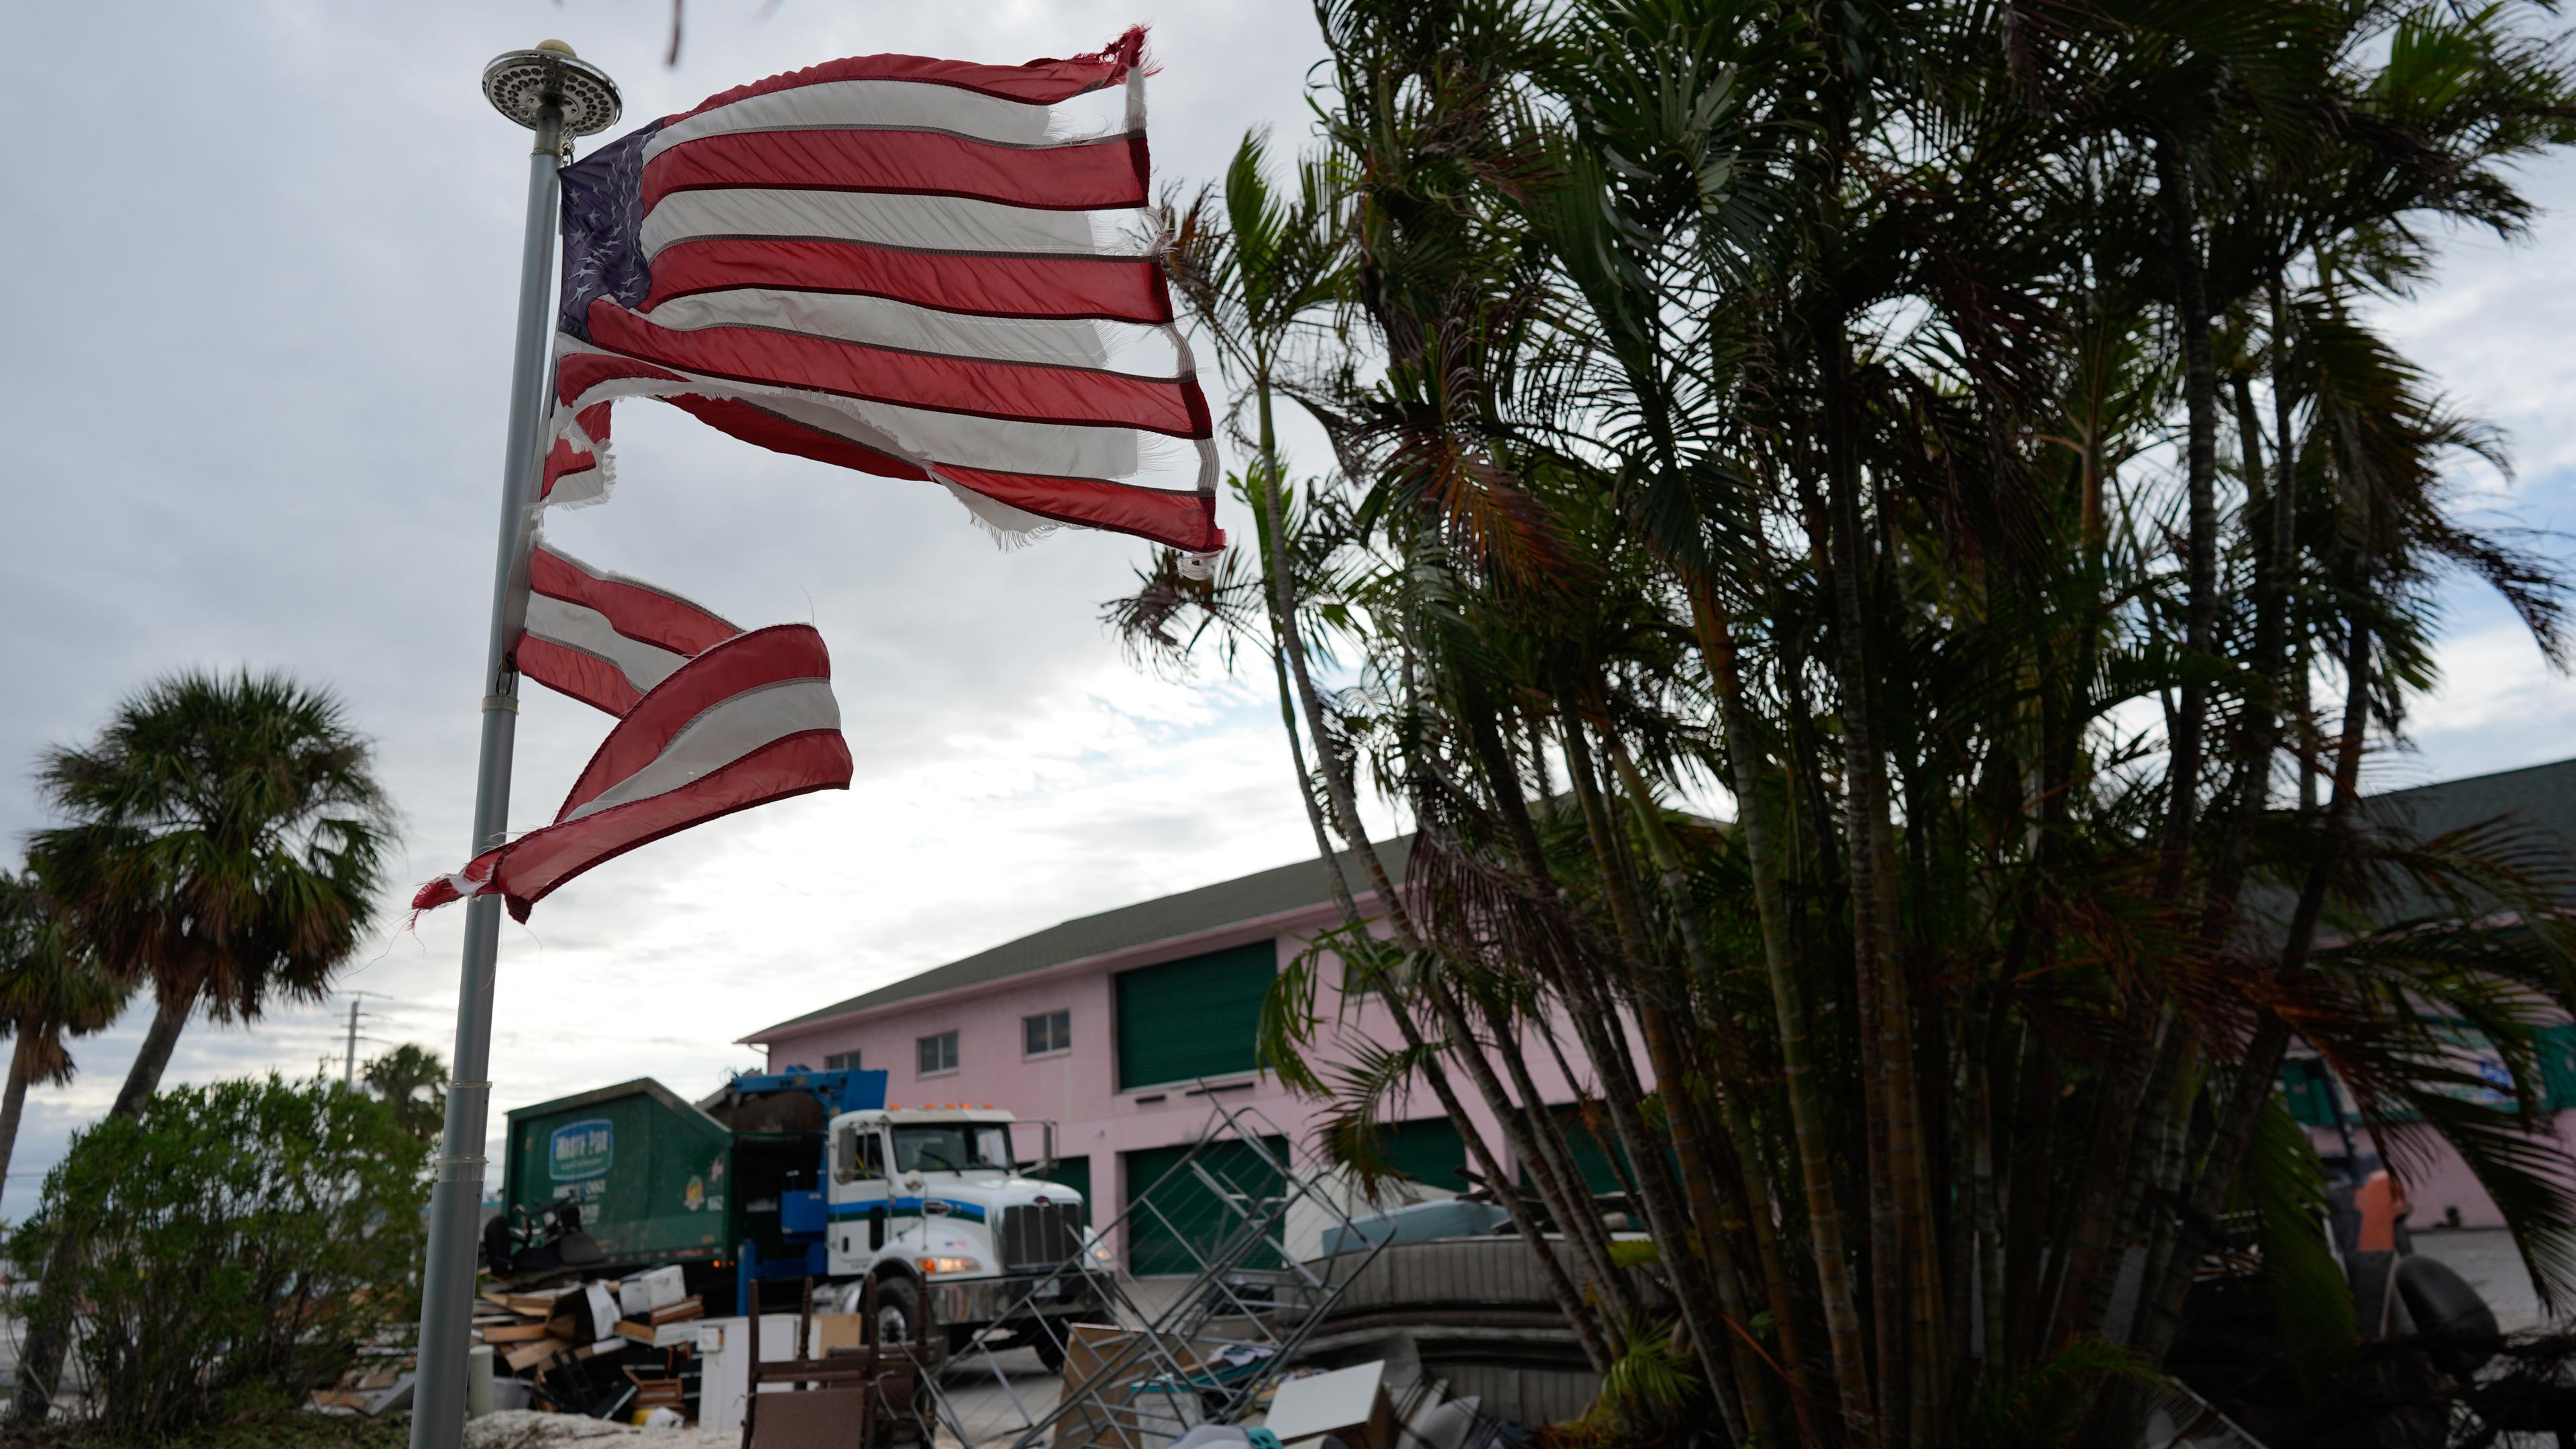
[(513, 1333), (680, 1312), (534, 1353)]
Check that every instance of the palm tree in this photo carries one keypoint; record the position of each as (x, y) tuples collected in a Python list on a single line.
[(49, 991), (1863, 407), (225, 843), (410, 1079)]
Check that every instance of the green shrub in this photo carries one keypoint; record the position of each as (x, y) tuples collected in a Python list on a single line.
[(241, 1241)]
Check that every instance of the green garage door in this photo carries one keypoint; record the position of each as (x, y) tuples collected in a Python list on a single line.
[(1429, 1151), (1075, 1173), (1592, 1151), (1174, 1223), (1192, 1018)]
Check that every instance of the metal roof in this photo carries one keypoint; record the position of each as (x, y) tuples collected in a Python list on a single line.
[(641, 1086), (1245, 898), (2542, 796), (2537, 804)]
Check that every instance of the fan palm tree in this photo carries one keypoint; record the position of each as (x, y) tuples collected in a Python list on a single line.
[(225, 842), (411, 1079), (49, 991)]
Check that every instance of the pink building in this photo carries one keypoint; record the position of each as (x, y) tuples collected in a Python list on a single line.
[(2541, 800), (1121, 1028)]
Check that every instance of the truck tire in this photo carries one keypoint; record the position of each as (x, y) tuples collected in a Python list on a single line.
[(898, 1311), (1050, 1351)]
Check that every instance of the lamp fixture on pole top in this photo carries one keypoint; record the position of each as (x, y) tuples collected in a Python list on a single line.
[(519, 83)]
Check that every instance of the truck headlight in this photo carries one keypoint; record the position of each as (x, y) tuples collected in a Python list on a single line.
[(946, 1267)]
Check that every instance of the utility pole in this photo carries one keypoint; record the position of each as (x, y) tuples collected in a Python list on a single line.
[(349, 1066), (558, 97)]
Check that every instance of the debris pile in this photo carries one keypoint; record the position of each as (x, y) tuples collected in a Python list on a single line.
[(614, 1349), (610, 1350)]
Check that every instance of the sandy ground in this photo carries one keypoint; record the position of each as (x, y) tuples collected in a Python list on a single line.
[(996, 1400), (528, 1429)]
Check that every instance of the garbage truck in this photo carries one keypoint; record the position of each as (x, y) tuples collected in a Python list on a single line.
[(929, 1205), (803, 1174)]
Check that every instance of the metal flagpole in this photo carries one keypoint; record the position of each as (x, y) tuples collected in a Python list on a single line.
[(557, 96)]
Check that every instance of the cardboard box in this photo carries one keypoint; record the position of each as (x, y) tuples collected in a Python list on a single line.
[(653, 1288), (1112, 1363), (1349, 1404), (839, 1330)]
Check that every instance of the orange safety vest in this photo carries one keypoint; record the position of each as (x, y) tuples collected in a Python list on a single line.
[(2381, 1201)]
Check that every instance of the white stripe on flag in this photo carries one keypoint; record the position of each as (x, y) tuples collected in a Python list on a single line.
[(1138, 349), (915, 223), (1129, 456), (725, 733), (578, 626), (899, 105)]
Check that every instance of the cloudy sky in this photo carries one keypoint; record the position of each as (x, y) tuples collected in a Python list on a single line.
[(260, 270)]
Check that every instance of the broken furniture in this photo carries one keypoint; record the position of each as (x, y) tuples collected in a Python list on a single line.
[(847, 1396)]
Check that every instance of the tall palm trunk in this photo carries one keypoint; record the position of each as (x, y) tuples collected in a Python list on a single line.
[(1340, 795), (2259, 1068), (2200, 459), (170, 1012), (1797, 1066), (1905, 1274), (1553, 1170), (1729, 1093), (13, 1099), (1666, 1217), (40, 1362)]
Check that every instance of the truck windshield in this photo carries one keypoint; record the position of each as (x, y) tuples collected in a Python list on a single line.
[(952, 1148)]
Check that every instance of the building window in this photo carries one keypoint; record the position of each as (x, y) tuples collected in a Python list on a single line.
[(938, 1054), (1047, 1033), (847, 1061)]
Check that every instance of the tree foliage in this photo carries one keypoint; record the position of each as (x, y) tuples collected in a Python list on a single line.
[(243, 1240), (1957, 435), (412, 1081), (51, 990)]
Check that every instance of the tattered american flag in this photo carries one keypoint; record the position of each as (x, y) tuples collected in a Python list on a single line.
[(748, 720), (910, 267), (604, 638)]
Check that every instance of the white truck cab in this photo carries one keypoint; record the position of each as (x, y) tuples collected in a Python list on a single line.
[(930, 1204)]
